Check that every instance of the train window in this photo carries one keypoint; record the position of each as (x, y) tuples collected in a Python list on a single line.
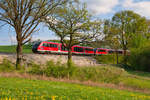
[(53, 45), (77, 49), (110, 51), (120, 52), (88, 49), (63, 48), (101, 50), (37, 44), (48, 45), (45, 44)]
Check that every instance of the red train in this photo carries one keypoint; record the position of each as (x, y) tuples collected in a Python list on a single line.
[(51, 47)]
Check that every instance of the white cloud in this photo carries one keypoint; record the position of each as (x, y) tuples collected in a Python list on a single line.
[(141, 7), (101, 6)]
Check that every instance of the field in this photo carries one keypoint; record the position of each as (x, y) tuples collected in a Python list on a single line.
[(12, 49), (25, 89)]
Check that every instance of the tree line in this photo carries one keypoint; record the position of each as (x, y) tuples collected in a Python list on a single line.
[(73, 24)]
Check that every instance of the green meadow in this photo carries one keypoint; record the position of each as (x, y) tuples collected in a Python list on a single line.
[(12, 49), (25, 89)]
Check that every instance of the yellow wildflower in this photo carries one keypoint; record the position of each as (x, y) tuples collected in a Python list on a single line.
[(53, 97)]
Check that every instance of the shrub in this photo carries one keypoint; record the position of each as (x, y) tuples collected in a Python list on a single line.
[(35, 69), (7, 66), (58, 70), (108, 59), (107, 74), (140, 58)]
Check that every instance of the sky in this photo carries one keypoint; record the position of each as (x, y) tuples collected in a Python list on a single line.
[(103, 9)]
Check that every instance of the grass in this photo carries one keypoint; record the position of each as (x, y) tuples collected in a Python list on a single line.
[(137, 80), (139, 73), (12, 49), (137, 83), (16, 88)]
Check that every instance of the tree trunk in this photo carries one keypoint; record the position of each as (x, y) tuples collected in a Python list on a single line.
[(125, 57), (116, 51), (19, 55), (69, 62), (117, 58)]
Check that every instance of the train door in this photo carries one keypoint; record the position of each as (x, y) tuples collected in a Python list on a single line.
[(59, 47)]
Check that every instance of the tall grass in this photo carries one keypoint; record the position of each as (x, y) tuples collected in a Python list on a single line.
[(105, 74)]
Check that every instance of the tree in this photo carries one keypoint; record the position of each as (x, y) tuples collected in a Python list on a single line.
[(73, 25), (111, 38), (24, 16), (140, 57), (127, 24), (148, 31)]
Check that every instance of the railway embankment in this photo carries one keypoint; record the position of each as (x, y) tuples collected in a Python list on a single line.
[(43, 58)]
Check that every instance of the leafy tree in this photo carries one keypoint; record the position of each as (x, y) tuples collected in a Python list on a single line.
[(140, 57), (111, 37), (72, 23), (148, 31), (24, 16), (128, 24)]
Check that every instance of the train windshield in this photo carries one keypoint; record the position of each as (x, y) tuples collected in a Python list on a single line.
[(36, 44)]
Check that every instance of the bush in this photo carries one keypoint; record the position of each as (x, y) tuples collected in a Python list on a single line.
[(140, 58), (55, 70), (109, 59), (35, 69), (7, 66), (58, 70), (52, 69), (107, 74)]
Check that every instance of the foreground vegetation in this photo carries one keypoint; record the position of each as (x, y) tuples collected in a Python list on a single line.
[(101, 74), (50, 90)]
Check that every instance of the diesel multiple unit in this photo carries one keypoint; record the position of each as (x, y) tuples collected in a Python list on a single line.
[(51, 47)]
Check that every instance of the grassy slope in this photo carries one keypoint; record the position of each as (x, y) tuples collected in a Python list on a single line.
[(138, 73), (137, 80), (40, 90), (12, 49)]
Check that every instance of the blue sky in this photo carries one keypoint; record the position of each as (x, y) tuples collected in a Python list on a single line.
[(103, 9)]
